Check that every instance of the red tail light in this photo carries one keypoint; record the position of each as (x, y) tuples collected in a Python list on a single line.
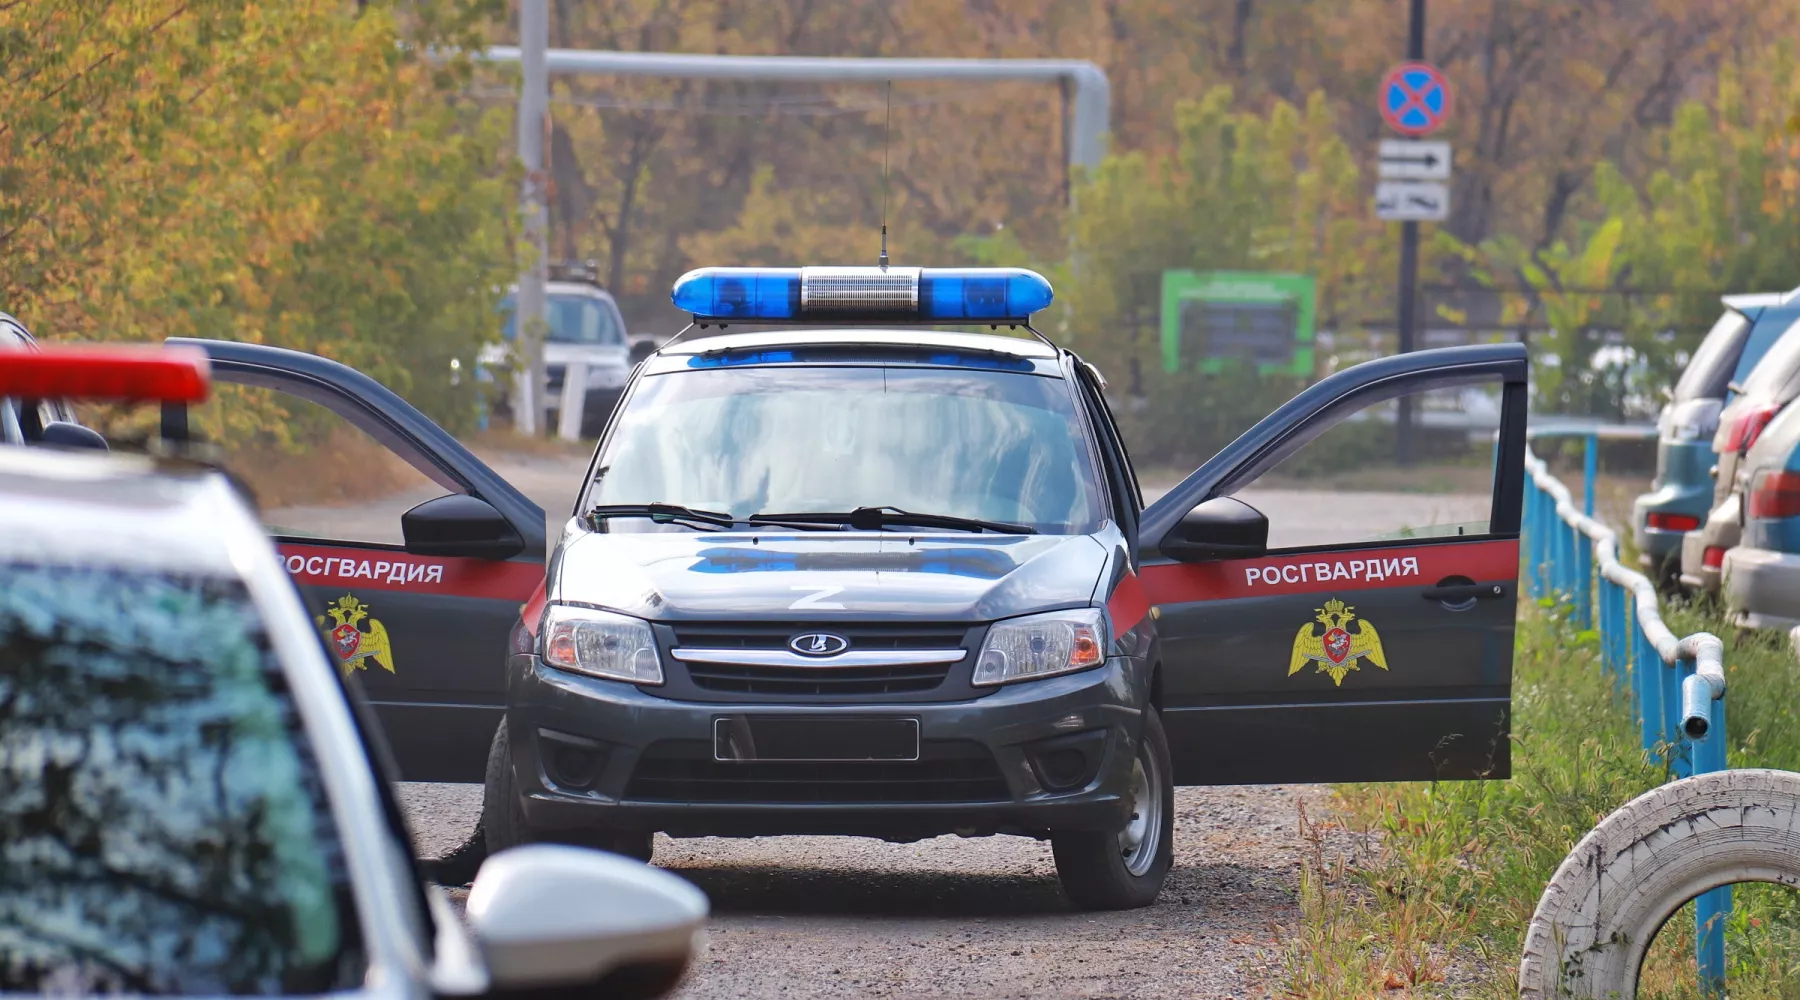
[(1775, 493), (134, 373), (1713, 557), (1748, 427), (1673, 522)]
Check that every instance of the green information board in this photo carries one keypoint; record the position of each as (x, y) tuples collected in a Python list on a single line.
[(1214, 320)]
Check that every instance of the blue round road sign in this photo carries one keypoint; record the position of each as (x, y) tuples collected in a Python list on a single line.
[(1415, 98)]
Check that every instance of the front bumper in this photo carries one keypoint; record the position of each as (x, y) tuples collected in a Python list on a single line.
[(1762, 588), (982, 768)]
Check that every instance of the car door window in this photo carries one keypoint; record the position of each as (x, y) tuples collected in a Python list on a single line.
[(1348, 486), (313, 473), (163, 825)]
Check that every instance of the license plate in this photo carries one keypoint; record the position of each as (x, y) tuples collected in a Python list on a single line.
[(814, 738)]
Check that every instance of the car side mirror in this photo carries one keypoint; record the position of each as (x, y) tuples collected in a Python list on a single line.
[(1220, 528), (575, 921), (641, 349), (459, 525), (62, 434)]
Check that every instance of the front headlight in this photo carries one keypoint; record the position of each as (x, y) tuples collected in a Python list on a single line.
[(601, 644), (1057, 642)]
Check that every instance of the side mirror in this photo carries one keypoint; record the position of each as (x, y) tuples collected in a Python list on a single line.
[(1220, 528), (62, 434), (576, 920), (641, 349), (459, 525)]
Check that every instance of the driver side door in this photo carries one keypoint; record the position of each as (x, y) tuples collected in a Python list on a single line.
[(1325, 612), (411, 553)]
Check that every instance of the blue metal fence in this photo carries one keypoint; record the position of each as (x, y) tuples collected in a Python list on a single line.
[(1677, 685)]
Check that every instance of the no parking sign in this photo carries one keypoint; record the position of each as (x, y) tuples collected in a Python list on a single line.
[(1415, 99)]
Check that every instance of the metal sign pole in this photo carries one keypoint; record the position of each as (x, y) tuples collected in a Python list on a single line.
[(534, 101), (1409, 262)]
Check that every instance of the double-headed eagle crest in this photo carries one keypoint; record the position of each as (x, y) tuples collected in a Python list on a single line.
[(353, 646), (1337, 649)]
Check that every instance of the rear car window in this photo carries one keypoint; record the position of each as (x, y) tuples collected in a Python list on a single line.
[(1777, 367), (163, 826), (1713, 364)]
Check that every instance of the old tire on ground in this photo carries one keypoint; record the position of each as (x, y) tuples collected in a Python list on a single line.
[(1625, 878), (503, 814), (1126, 869)]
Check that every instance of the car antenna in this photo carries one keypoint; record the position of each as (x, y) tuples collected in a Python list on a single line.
[(887, 140)]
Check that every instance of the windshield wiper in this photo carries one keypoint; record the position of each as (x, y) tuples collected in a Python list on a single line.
[(710, 520), (876, 518), (664, 513)]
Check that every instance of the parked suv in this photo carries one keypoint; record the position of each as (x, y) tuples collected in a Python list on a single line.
[(1773, 383), (586, 328), (1682, 493), (1760, 578)]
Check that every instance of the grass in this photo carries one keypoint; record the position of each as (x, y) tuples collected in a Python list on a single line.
[(1426, 889)]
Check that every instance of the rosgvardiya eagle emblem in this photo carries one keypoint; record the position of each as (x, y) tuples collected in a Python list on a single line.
[(1337, 649), (353, 646)]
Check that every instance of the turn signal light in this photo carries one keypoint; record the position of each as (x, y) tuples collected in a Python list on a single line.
[(1775, 493), (121, 372), (1673, 522)]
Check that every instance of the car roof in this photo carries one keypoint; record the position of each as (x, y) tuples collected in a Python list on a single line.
[(128, 511), (1021, 347)]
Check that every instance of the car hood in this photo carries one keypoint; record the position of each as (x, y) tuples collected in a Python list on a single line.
[(822, 576), (597, 355)]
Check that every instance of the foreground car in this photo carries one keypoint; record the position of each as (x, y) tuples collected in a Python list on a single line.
[(1682, 492), (192, 802), (900, 583), (1761, 577)]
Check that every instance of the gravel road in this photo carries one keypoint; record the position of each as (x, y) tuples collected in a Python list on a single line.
[(804, 917)]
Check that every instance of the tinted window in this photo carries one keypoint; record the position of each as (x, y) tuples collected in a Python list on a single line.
[(574, 319), (998, 445), (1715, 361), (163, 829), (1777, 368)]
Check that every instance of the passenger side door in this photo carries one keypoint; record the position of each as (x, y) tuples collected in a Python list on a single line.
[(1369, 635), (414, 556)]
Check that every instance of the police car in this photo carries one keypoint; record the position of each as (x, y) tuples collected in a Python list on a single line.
[(854, 575), (191, 799)]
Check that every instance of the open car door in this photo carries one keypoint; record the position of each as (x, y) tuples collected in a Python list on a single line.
[(1327, 611), (412, 553)]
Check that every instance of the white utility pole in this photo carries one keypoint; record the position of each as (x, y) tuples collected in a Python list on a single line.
[(534, 102)]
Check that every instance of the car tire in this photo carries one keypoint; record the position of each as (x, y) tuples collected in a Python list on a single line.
[(1603, 907), (503, 814), (1125, 869)]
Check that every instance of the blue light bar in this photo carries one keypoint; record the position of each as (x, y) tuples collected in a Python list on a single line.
[(951, 295)]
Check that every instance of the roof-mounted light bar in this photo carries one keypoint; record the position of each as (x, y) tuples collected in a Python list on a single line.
[(983, 295), (113, 372)]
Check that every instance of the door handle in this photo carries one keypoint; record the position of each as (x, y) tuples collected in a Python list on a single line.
[(1457, 593)]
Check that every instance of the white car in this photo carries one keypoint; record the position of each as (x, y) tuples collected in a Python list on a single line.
[(192, 800), (585, 329)]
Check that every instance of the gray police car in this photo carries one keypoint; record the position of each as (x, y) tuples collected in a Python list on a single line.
[(858, 576)]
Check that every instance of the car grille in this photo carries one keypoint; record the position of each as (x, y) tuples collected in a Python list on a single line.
[(947, 771), (824, 679)]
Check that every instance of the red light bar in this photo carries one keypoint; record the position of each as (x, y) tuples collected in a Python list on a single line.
[(114, 371)]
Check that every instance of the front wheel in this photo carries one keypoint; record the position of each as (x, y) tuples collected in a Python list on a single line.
[(1126, 869), (503, 815)]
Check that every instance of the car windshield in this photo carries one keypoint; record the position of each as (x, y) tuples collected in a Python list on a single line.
[(1002, 446), (573, 319), (163, 829), (1714, 361)]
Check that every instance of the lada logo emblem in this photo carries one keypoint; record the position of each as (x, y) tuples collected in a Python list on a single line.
[(818, 644)]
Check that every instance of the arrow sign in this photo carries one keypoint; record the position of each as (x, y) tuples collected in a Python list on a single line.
[(1413, 160), (1412, 201)]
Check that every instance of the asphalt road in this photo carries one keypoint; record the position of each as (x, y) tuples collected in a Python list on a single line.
[(806, 917)]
